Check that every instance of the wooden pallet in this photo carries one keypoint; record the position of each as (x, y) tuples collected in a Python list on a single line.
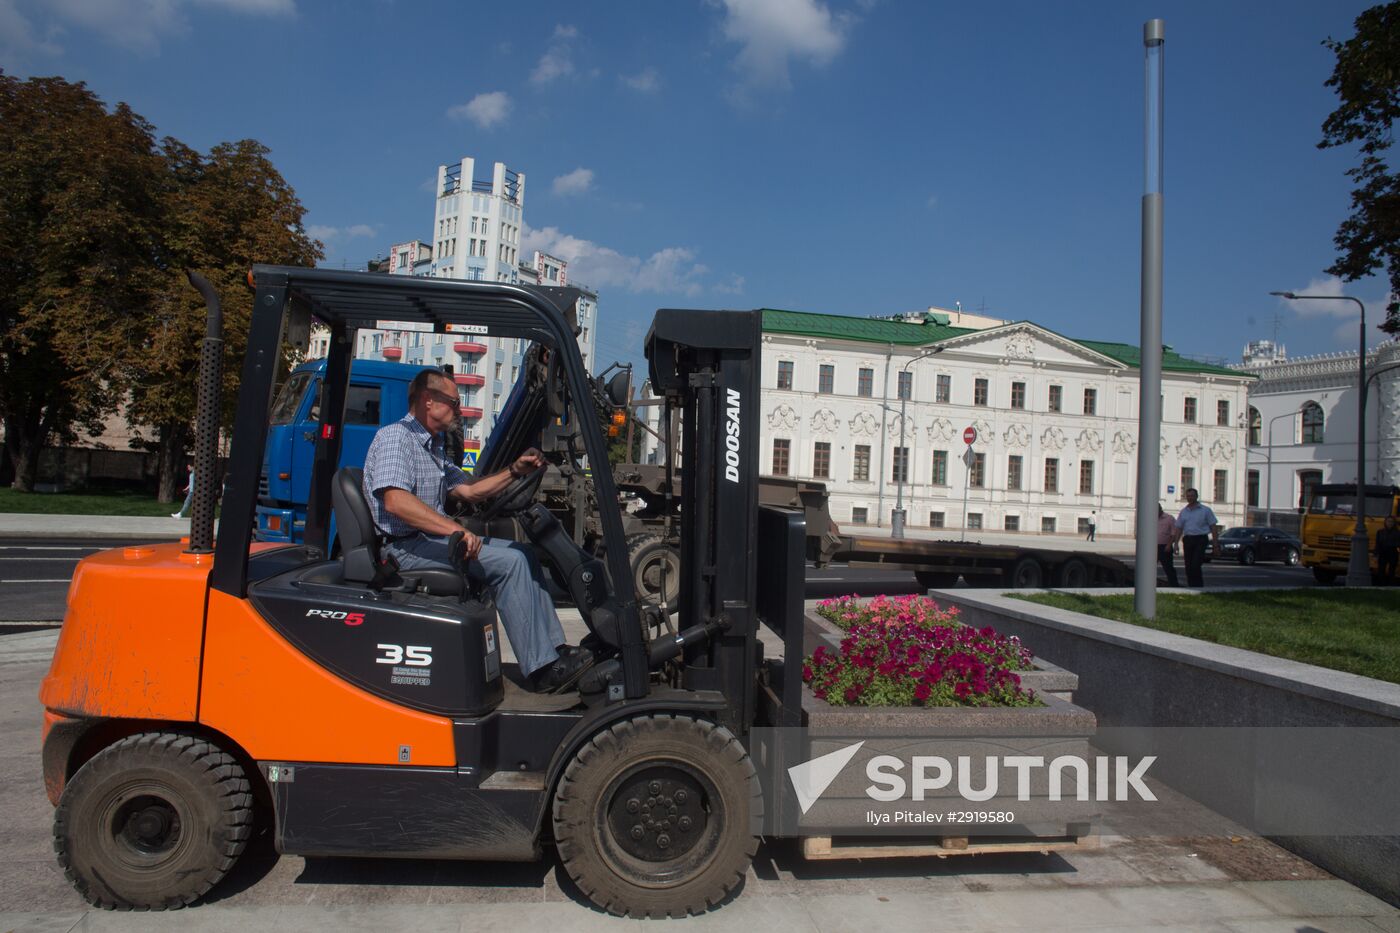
[(828, 847)]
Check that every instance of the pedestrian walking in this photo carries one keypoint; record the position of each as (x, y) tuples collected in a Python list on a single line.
[(189, 494), (1093, 526), (1388, 550), (1166, 531), (1196, 526)]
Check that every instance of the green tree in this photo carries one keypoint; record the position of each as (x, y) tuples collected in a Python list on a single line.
[(223, 212), (1367, 81), (79, 236)]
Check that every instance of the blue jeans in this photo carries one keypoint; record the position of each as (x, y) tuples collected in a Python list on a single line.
[(513, 573)]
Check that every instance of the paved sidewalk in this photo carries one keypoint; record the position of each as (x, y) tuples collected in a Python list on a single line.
[(22, 524)]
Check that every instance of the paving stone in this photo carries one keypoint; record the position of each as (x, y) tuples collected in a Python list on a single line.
[(1306, 898)]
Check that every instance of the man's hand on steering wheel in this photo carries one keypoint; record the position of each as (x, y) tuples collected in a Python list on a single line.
[(528, 462)]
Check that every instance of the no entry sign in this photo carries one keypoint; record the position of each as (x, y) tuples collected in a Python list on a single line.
[(969, 435)]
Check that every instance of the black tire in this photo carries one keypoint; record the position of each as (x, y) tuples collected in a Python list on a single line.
[(648, 556), (935, 579), (1027, 574), (692, 771), (152, 822), (1324, 576), (1247, 556), (1072, 574), (1290, 557)]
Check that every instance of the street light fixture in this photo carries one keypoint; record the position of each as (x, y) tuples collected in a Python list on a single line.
[(897, 521), (1359, 566)]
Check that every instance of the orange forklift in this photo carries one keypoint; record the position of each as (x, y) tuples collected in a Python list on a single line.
[(199, 689)]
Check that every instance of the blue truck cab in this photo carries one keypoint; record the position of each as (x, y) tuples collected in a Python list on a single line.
[(378, 395)]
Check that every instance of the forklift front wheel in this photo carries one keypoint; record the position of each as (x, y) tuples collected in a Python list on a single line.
[(152, 822), (656, 816)]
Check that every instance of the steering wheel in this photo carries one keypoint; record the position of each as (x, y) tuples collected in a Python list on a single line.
[(516, 497)]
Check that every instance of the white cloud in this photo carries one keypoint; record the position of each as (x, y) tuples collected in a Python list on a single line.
[(359, 230), (646, 81), (558, 60), (772, 33), (485, 110), (932, 201), (322, 232), (735, 286), (576, 182), (17, 36), (1333, 288), (671, 270), (140, 25)]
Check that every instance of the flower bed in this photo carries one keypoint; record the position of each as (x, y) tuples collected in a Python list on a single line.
[(908, 651)]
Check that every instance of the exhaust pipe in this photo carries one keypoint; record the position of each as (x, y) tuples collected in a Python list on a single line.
[(206, 436)]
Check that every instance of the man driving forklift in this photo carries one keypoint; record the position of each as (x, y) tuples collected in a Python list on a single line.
[(408, 479)]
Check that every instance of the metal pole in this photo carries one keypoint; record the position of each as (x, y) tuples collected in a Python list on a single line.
[(1269, 480), (967, 482), (897, 522), (1359, 567), (1149, 476)]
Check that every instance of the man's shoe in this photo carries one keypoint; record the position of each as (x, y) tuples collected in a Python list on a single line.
[(565, 671), (175, 515)]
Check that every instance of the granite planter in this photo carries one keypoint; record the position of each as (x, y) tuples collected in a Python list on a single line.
[(1046, 679), (969, 738)]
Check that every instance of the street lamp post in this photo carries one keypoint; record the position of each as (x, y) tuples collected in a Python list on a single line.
[(897, 522), (1359, 567), (1269, 466)]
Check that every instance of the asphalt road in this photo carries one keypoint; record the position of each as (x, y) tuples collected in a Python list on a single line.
[(34, 575)]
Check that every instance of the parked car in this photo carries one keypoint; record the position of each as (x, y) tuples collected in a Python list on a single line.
[(1248, 545)]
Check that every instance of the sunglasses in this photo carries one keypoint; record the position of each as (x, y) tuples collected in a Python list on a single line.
[(440, 397)]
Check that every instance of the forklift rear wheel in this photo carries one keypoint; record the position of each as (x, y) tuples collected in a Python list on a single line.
[(651, 559), (655, 816), (152, 822), (934, 579)]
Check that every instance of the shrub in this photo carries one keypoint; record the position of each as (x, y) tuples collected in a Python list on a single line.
[(907, 651)]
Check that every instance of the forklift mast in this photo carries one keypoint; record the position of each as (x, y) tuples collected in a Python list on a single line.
[(706, 364)]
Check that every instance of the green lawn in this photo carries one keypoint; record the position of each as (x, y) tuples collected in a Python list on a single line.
[(90, 502), (1357, 631)]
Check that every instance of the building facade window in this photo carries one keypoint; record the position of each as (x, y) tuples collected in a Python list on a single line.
[(1091, 401), (1256, 427), (1013, 472), (1222, 487), (826, 378), (859, 514), (977, 477), (899, 470), (1188, 410), (979, 392), (1312, 423), (1011, 523), (935, 519), (1252, 493), (944, 392), (865, 384), (1018, 395), (860, 469), (1188, 481), (974, 521), (940, 468), (1307, 479), (821, 460), (1086, 477), (1047, 524), (906, 385), (782, 449), (785, 374), (1083, 525), (1052, 474), (1222, 413), (1057, 394)]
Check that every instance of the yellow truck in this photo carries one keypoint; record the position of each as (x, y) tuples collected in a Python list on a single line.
[(1330, 520)]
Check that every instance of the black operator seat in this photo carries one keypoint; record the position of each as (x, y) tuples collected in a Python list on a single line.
[(360, 554)]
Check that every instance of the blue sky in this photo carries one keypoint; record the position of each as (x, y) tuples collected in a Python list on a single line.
[(848, 157)]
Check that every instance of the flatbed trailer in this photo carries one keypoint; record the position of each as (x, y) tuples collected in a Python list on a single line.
[(940, 563)]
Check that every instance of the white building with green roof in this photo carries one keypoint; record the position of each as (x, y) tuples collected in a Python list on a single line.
[(1055, 421)]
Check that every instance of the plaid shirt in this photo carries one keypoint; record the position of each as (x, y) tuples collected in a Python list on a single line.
[(405, 456)]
